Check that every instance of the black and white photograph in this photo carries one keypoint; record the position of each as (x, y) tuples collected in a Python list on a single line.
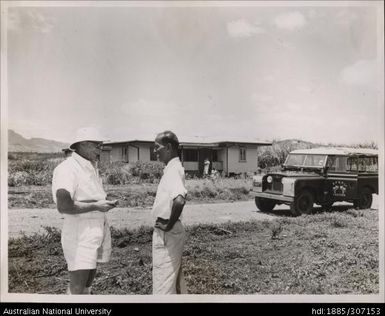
[(192, 151)]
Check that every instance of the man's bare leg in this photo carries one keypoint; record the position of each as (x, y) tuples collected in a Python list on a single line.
[(78, 280), (91, 278)]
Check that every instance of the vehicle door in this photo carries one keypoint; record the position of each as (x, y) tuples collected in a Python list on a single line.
[(341, 180)]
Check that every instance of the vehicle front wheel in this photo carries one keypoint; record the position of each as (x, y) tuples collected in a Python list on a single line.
[(365, 200), (303, 204), (264, 205)]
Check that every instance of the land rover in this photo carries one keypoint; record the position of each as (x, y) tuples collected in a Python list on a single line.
[(322, 176)]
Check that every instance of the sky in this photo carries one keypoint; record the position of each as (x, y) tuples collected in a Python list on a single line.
[(241, 70)]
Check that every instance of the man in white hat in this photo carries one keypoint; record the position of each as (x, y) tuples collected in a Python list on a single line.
[(78, 192)]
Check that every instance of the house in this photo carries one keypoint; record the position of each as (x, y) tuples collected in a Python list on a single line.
[(230, 157)]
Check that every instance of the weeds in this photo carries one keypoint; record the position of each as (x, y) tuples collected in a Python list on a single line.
[(276, 228), (315, 257), (339, 223)]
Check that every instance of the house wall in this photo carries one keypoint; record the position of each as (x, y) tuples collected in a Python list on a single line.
[(132, 152), (116, 153), (144, 152), (236, 166)]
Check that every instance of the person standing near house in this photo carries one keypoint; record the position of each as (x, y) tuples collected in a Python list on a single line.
[(169, 234), (78, 193), (206, 167)]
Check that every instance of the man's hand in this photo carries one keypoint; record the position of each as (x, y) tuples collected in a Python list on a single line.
[(114, 202), (164, 227), (105, 205)]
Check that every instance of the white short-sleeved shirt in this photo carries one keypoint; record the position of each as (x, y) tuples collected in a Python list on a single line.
[(79, 177), (170, 186)]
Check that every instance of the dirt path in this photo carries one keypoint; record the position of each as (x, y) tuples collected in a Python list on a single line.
[(31, 221)]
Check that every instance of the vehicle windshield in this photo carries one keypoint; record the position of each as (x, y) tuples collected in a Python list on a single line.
[(305, 161)]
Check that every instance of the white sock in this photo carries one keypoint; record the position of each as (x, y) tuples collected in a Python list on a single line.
[(87, 290)]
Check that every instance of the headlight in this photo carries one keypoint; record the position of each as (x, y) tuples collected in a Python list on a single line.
[(288, 186), (269, 179)]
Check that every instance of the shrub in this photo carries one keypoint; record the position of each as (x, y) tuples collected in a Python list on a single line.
[(130, 173), (115, 173), (31, 168), (147, 170), (18, 178), (223, 189)]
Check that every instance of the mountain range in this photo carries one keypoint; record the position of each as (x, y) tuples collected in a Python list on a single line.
[(17, 143)]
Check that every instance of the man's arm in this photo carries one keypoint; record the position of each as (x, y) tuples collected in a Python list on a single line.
[(66, 205), (176, 210)]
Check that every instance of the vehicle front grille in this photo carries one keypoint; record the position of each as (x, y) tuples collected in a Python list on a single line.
[(276, 186)]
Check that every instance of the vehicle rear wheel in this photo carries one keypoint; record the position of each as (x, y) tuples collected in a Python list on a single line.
[(365, 200), (264, 205), (303, 204)]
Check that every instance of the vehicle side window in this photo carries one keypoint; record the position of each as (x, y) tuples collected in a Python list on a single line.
[(337, 164), (371, 164), (314, 160), (331, 163), (363, 164), (352, 164), (341, 164)]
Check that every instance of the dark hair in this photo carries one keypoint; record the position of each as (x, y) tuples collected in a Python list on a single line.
[(168, 137)]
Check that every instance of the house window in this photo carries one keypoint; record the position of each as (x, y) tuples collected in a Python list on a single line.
[(190, 155), (242, 154), (152, 154)]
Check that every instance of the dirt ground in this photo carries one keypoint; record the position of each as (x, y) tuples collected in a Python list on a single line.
[(30, 221)]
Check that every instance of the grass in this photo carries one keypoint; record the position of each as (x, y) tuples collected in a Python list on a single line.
[(325, 253)]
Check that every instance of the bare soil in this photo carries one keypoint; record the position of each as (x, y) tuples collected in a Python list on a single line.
[(31, 221)]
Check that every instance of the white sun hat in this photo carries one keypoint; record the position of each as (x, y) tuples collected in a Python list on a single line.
[(90, 134)]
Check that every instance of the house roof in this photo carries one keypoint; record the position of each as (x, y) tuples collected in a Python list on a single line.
[(339, 151), (200, 141)]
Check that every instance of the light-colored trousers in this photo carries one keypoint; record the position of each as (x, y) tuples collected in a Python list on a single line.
[(167, 249)]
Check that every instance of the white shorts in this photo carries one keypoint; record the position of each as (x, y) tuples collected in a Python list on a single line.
[(86, 240)]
